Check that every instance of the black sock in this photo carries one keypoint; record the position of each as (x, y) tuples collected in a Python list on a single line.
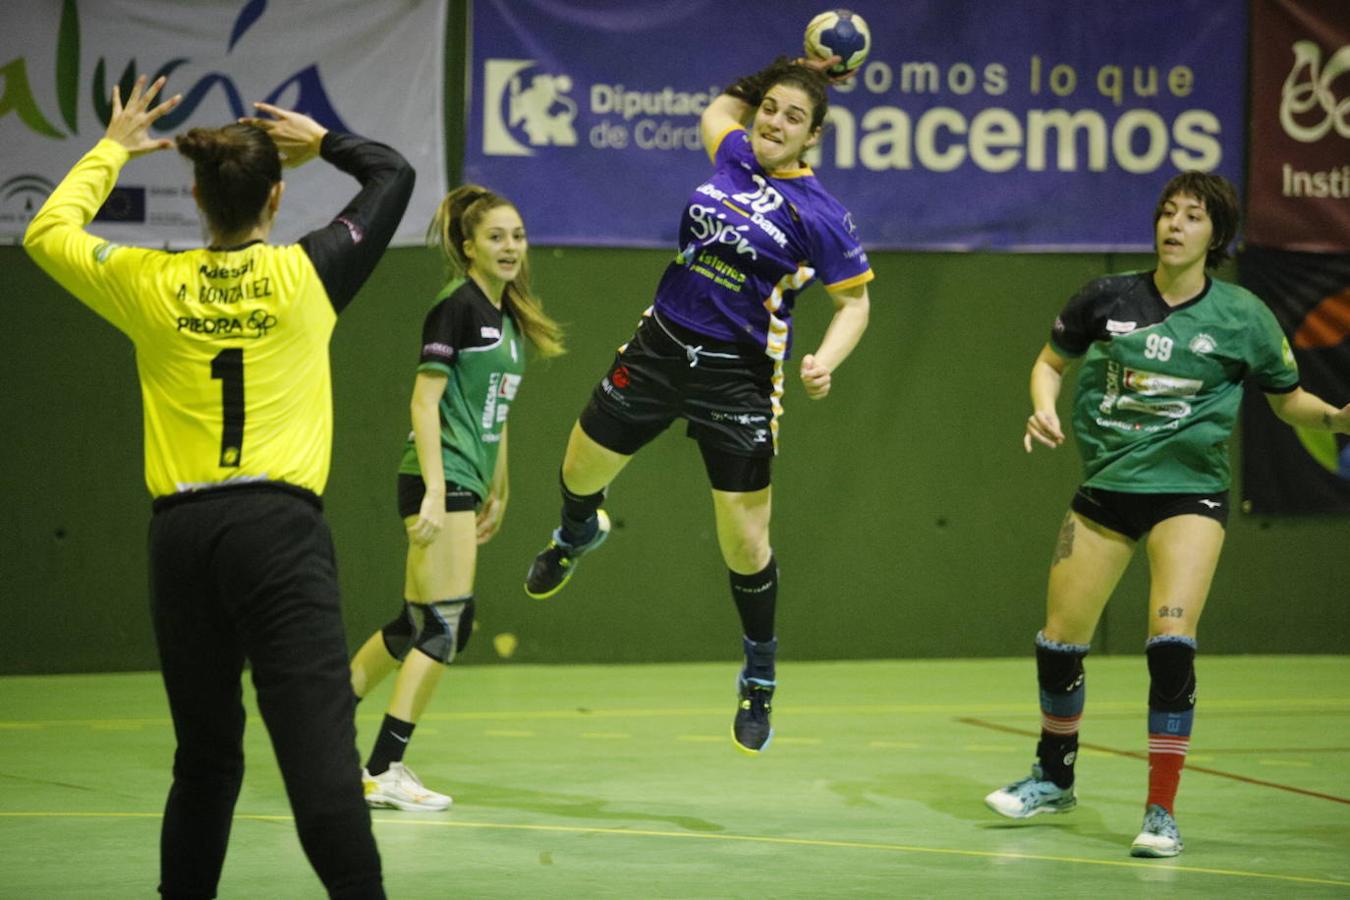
[(1056, 755), (579, 523), (760, 657), (389, 746), (756, 598)]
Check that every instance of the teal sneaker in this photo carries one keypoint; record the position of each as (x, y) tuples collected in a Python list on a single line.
[(1033, 794), (553, 567), (1160, 837)]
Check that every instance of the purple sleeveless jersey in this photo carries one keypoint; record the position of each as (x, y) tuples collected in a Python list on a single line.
[(749, 243)]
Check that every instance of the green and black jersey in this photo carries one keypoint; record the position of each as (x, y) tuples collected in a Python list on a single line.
[(478, 348), (231, 343), (1159, 389)]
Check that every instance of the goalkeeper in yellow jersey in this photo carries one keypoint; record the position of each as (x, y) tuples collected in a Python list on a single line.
[(232, 351)]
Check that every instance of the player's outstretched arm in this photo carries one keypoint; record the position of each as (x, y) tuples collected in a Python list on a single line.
[(1305, 410)]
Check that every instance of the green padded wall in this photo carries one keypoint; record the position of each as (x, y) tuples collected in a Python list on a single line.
[(908, 520)]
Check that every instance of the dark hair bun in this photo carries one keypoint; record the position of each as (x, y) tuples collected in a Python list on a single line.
[(234, 168)]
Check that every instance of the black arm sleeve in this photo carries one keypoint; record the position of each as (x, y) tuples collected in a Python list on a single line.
[(346, 250)]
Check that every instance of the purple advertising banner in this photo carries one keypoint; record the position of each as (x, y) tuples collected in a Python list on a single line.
[(1025, 125)]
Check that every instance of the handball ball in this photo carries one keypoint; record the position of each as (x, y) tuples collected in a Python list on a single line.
[(841, 33)]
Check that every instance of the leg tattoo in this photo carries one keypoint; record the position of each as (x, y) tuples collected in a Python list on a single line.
[(1064, 545)]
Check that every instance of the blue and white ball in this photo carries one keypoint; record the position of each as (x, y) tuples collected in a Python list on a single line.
[(841, 33)]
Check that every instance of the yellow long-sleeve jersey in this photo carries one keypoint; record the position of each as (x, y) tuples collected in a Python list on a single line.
[(231, 344)]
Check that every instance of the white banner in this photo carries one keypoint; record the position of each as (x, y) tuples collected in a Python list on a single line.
[(372, 68)]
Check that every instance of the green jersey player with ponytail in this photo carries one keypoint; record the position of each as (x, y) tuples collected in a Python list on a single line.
[(452, 481)]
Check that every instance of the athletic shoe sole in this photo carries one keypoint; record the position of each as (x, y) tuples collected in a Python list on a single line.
[(1061, 808), (377, 801), (750, 751), (1149, 851)]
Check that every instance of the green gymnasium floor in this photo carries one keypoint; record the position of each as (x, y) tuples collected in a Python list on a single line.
[(621, 781)]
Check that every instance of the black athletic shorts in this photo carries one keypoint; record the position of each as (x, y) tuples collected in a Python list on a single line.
[(724, 391), (411, 490), (1134, 514)]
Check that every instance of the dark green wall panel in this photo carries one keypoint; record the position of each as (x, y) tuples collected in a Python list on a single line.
[(908, 520)]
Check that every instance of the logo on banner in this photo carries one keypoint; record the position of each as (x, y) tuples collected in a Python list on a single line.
[(311, 96), (537, 109), (23, 194), (1306, 89)]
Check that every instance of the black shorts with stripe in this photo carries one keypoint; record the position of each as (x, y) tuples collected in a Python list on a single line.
[(411, 490), (1134, 514), (724, 391)]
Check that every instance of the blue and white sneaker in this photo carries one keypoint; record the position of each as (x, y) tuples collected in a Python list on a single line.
[(554, 565), (1160, 837), (751, 731), (1033, 794)]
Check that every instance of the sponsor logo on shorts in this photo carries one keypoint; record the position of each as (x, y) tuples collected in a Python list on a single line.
[(1114, 327), (620, 377), (612, 392), (438, 349), (738, 418)]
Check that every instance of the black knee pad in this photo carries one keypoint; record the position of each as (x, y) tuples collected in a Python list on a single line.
[(1059, 668), (399, 633), (1171, 673), (441, 627), (465, 630)]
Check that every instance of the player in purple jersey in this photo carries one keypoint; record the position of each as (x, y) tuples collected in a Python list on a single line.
[(712, 348), (1165, 354)]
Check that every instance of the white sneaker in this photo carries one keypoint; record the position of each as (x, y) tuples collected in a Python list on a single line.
[(1159, 839), (1031, 796), (399, 788)]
